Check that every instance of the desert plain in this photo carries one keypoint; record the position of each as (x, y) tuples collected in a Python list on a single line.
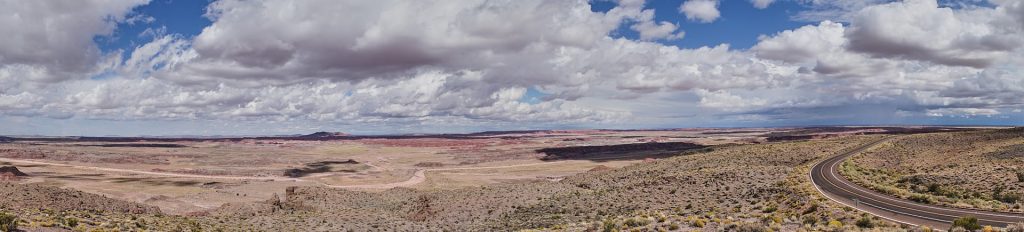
[(708, 179)]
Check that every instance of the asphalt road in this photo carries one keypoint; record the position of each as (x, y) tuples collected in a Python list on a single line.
[(825, 177)]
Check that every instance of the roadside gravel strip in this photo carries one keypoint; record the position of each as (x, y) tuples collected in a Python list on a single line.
[(826, 178)]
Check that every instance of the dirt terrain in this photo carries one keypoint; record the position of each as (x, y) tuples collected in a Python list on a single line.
[(693, 179), (183, 176), (723, 187)]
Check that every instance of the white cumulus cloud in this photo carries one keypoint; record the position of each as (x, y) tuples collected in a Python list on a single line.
[(401, 64), (49, 41), (705, 11), (761, 4)]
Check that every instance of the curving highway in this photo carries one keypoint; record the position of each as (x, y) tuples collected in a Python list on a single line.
[(826, 178)]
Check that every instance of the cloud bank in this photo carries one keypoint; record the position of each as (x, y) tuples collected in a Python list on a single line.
[(401, 63)]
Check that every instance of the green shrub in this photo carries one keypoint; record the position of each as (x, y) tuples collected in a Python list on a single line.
[(750, 227), (8, 222), (810, 220), (811, 209), (770, 209), (70, 222), (921, 198), (673, 226), (1008, 198), (608, 225), (865, 222), (967, 222), (637, 222), (999, 194), (699, 223), (770, 219), (835, 224)]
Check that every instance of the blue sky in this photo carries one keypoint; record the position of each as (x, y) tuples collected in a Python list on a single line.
[(739, 27), (185, 18), (368, 67)]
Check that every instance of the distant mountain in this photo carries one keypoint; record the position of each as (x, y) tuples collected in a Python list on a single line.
[(323, 134)]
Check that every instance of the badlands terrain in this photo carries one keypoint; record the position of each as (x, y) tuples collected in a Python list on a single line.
[(751, 179)]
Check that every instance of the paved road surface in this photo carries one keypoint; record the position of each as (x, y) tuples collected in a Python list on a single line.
[(825, 177)]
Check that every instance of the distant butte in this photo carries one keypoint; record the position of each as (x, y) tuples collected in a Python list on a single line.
[(323, 134), (10, 173)]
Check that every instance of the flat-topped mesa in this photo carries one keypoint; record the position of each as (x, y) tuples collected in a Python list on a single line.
[(324, 134)]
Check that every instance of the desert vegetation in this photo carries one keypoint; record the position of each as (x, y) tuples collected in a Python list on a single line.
[(660, 186), (749, 188), (967, 223), (186, 175), (8, 222), (36, 207), (973, 169)]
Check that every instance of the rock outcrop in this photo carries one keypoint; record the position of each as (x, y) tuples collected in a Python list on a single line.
[(10, 173)]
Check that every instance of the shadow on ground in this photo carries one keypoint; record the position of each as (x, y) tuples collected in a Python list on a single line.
[(317, 167), (632, 151), (151, 181)]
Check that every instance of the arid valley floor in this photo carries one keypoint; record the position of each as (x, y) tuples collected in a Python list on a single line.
[(750, 179)]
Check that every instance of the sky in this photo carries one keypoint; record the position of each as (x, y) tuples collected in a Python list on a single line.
[(278, 67)]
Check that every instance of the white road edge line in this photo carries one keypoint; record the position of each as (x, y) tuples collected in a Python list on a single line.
[(832, 167), (810, 174)]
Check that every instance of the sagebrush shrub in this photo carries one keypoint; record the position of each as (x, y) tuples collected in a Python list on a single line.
[(968, 222), (8, 222)]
